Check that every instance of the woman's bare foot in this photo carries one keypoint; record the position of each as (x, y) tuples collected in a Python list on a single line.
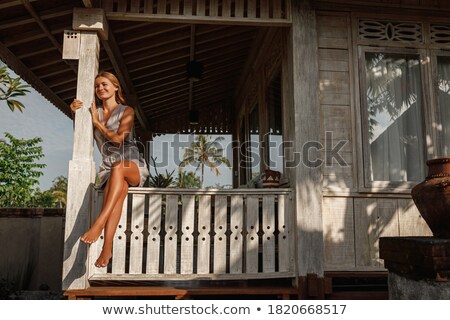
[(91, 235), (103, 259)]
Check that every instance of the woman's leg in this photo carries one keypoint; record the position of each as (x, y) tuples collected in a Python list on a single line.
[(121, 172), (110, 229)]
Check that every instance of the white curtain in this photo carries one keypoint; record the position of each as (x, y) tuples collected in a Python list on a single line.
[(443, 66), (395, 133)]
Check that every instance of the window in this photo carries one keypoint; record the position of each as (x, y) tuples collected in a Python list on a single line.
[(393, 129), (442, 92), (249, 158), (254, 154), (404, 75), (275, 125), (243, 161)]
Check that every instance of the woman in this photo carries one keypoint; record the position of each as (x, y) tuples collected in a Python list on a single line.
[(122, 165)]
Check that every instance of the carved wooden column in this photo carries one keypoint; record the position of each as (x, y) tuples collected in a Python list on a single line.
[(84, 46)]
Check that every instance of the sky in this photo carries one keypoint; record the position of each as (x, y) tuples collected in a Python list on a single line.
[(42, 119)]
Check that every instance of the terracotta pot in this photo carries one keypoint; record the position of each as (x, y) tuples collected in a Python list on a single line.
[(432, 197), (271, 178)]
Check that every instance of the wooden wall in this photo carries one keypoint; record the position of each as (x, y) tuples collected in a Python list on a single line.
[(353, 221)]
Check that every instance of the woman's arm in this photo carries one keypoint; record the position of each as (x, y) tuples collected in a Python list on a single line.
[(126, 124)]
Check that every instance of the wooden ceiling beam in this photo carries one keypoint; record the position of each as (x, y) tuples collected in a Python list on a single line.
[(11, 4), (58, 73), (45, 15), (165, 67), (171, 79), (167, 89), (213, 87), (44, 28), (146, 35), (46, 33), (177, 110), (26, 37), (35, 52), (166, 53)]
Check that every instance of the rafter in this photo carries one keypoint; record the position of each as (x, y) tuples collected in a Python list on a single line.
[(38, 20)]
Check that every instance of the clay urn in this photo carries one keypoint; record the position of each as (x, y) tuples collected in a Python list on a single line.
[(432, 197)]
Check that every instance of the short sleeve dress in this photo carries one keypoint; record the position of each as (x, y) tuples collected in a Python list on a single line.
[(111, 153)]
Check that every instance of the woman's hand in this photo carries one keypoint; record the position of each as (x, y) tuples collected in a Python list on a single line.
[(94, 112), (75, 105)]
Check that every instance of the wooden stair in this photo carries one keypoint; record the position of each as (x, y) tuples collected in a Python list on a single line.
[(180, 293)]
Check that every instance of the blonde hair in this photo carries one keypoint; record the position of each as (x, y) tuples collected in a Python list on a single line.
[(111, 77)]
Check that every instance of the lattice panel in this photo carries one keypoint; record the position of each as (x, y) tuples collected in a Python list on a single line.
[(440, 34), (392, 31)]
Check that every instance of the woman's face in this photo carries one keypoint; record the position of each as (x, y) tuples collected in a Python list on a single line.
[(104, 88)]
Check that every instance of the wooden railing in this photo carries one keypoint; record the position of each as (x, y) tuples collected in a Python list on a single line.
[(174, 234), (202, 11)]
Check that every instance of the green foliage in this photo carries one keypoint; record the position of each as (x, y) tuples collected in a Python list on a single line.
[(59, 191), (160, 180), (11, 88), (204, 152), (187, 180), (19, 172), (43, 199)]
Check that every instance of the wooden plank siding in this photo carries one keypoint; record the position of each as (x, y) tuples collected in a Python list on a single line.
[(353, 226), (338, 231), (218, 234), (353, 221), (334, 93), (381, 217)]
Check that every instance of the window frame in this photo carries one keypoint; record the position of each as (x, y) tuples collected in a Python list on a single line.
[(266, 133), (436, 108), (365, 183)]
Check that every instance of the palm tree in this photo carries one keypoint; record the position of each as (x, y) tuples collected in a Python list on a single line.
[(59, 190), (204, 152), (187, 179)]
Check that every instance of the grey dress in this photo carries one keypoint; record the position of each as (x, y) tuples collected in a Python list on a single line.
[(128, 150)]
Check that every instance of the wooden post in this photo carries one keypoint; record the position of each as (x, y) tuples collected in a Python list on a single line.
[(304, 131), (82, 166)]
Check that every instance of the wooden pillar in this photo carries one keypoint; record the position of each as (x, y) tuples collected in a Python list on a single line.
[(82, 166), (304, 132)]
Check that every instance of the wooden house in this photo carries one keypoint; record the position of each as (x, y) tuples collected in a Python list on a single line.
[(356, 90)]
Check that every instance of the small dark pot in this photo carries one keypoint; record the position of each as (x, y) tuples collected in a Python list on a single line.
[(432, 197), (271, 178)]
